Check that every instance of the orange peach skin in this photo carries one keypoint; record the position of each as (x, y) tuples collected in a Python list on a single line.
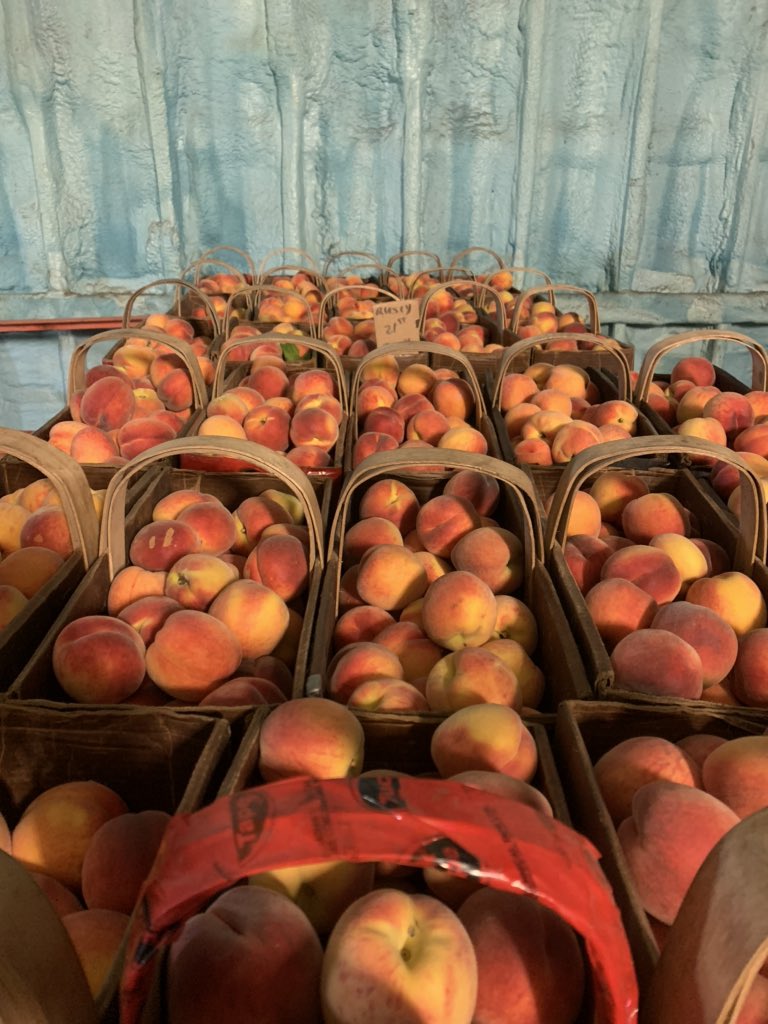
[(486, 737), (310, 736)]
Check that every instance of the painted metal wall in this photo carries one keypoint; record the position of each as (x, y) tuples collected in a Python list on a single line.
[(619, 145)]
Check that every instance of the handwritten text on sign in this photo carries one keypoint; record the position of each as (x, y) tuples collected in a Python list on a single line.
[(394, 322)]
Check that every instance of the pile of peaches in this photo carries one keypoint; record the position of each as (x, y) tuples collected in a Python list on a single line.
[(209, 610), (675, 617), (671, 803), (552, 412), (428, 617), (413, 406), (300, 302)]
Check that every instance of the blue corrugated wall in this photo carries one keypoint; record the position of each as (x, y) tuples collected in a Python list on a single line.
[(622, 146)]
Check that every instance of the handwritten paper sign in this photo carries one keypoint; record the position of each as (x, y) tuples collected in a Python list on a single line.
[(395, 322)]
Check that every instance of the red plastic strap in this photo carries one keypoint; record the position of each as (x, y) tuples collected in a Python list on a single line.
[(420, 822)]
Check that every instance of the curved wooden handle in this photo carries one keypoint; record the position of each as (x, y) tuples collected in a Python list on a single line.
[(288, 270), (414, 252), (313, 344), (457, 274), (623, 372), (112, 539), (301, 253), (181, 285), (71, 484), (412, 460), (411, 348), (333, 257), (752, 539), (254, 295), (719, 939), (212, 261), (660, 348), (475, 287), (417, 277), (456, 260), (373, 266), (76, 376), (529, 293), (246, 257), (327, 302), (534, 270)]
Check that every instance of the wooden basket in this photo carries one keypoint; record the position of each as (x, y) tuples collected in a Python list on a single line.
[(230, 250), (247, 299), (584, 731), (186, 293), (746, 546), (37, 681), (481, 296), (436, 356), (558, 656), (355, 255), (155, 759)]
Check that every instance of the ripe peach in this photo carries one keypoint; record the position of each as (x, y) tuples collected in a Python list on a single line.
[(47, 528), (694, 368), (443, 520), (360, 623), (54, 832), (98, 659), (734, 597), (487, 737), (453, 398), (658, 662), (385, 421), (585, 556), (570, 379), (312, 382), (96, 936), (530, 678), (613, 490), (369, 443), (689, 559), (471, 676), (479, 489), (131, 583), (254, 615), (542, 426), (533, 452), (650, 514), (366, 534), (108, 403), (62, 899), (252, 516), (619, 607), (699, 745), (160, 543), (749, 682), (632, 763), (192, 653), (358, 662), (515, 621), (649, 568), (736, 772), (753, 440), (710, 636), (147, 615), (692, 403), (505, 785), (459, 610), (119, 857), (429, 426), (137, 436), (39, 492), (391, 577), (212, 524), (310, 736), (391, 499), (464, 439), (718, 560), (195, 579), (584, 516), (280, 563), (175, 390), (383, 694), (269, 426), (417, 653), (732, 410), (494, 555), (573, 438)]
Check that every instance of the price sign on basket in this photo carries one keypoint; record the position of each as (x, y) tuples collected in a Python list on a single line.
[(395, 322)]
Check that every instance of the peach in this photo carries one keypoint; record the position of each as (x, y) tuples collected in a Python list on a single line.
[(647, 567), (269, 426), (517, 416), (736, 772), (256, 946), (280, 563), (613, 413), (98, 659), (671, 832), (175, 390), (119, 857), (613, 490), (533, 452), (718, 560), (12, 601), (551, 400), (505, 785), (194, 580), (310, 736), (694, 368), (710, 636), (732, 410), (391, 577), (383, 694), (749, 682), (39, 492), (408, 405), (244, 691), (192, 653), (61, 435), (650, 514), (542, 426), (471, 676), (618, 607), (169, 506), (212, 525), (62, 899), (369, 443), (374, 395), (131, 583), (391, 499), (55, 830), (47, 528), (573, 438), (107, 403), (138, 436), (227, 405), (147, 615), (583, 517), (366, 534), (699, 745), (459, 610), (361, 623), (659, 663), (585, 556), (753, 440), (494, 555), (385, 421), (690, 560), (632, 763), (515, 621), (734, 597), (96, 936), (160, 543), (479, 489), (692, 403), (485, 737), (269, 381), (516, 388), (429, 426), (530, 678), (509, 933), (705, 427), (417, 653), (254, 615), (453, 398), (464, 439), (312, 382), (358, 662), (571, 380), (348, 596), (416, 378), (252, 516), (443, 520)]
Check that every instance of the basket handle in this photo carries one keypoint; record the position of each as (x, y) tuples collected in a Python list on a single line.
[(399, 256), (288, 269), (209, 261), (416, 277), (76, 376), (411, 348), (70, 481), (181, 285), (623, 372), (253, 296), (327, 304), (660, 348), (246, 257), (280, 253), (534, 270), (459, 256), (313, 344), (333, 257), (529, 293), (719, 939), (475, 288), (112, 539), (412, 459), (752, 536)]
